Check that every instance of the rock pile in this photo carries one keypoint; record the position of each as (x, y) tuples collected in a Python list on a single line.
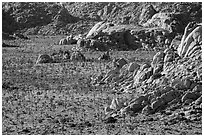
[(104, 36), (61, 56), (170, 79)]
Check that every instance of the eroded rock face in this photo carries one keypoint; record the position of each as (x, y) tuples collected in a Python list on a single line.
[(191, 42)]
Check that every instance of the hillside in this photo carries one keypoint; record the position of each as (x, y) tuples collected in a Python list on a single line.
[(79, 17)]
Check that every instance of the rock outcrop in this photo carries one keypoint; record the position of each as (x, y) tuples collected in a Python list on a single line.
[(191, 40), (169, 79)]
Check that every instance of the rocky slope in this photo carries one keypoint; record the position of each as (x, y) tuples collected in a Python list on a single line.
[(79, 17), (172, 80)]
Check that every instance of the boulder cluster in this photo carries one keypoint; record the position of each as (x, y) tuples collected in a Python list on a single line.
[(105, 36), (174, 77), (60, 56)]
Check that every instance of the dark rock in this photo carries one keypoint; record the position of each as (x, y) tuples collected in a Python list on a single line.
[(110, 120), (188, 95)]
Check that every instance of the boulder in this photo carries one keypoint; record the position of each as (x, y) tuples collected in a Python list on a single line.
[(71, 40), (198, 101), (158, 59), (190, 39), (157, 103), (193, 51), (197, 89), (166, 20), (130, 41), (142, 75), (111, 74), (175, 43), (182, 84), (169, 96), (81, 43), (63, 41), (44, 58), (147, 110), (136, 107), (158, 68), (97, 29), (147, 14), (169, 57), (119, 62), (124, 70), (137, 104), (133, 66), (188, 101), (116, 104), (189, 95)]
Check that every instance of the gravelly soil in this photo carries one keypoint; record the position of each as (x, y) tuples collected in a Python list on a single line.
[(59, 99)]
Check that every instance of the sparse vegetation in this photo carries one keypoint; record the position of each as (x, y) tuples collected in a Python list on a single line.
[(59, 99), (136, 74)]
